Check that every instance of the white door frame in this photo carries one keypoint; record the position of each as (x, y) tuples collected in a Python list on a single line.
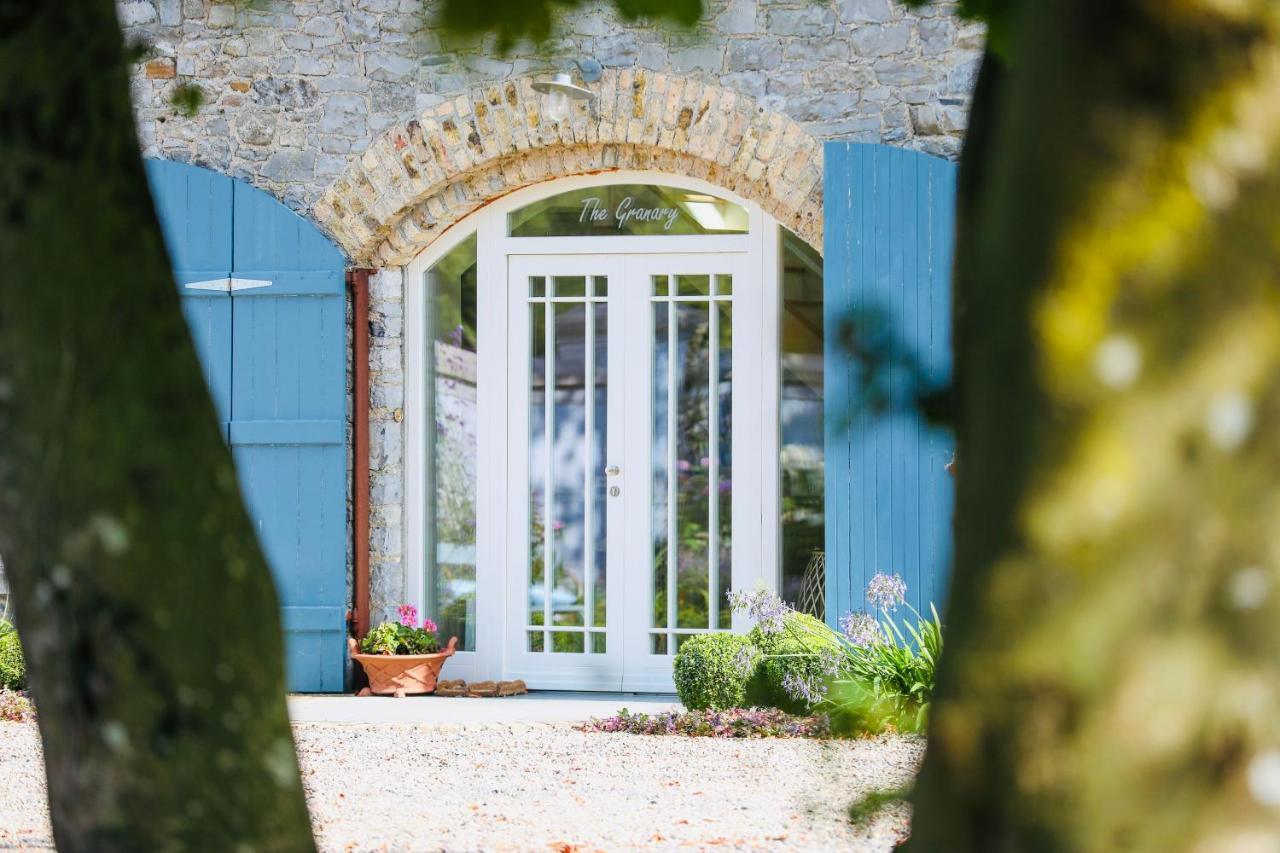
[(760, 250)]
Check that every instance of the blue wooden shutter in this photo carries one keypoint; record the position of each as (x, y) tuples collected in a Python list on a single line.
[(194, 207), (288, 426), (268, 318), (889, 222)]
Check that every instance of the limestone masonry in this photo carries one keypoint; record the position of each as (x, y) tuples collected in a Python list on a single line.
[(295, 92)]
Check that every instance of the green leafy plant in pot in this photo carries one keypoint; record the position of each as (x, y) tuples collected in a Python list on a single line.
[(402, 657)]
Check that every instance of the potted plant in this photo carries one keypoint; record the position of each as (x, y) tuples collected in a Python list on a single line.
[(401, 657)]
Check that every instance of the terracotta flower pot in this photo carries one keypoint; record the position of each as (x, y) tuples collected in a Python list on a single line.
[(401, 675)]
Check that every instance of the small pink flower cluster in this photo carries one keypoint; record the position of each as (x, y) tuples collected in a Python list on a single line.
[(409, 618)]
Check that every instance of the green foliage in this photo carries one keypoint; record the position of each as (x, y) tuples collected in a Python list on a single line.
[(513, 20), (186, 99), (888, 684), (393, 638), (13, 666), (708, 671), (873, 803), (796, 651)]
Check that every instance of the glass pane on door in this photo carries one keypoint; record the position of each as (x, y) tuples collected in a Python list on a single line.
[(691, 456), (568, 435)]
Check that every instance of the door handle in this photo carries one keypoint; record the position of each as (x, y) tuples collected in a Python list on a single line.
[(613, 470)]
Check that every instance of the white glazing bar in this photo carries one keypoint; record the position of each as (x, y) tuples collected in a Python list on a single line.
[(588, 492), (548, 444), (673, 342), (713, 459)]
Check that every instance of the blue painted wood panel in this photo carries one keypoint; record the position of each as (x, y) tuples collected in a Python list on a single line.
[(194, 208), (275, 357), (889, 223), (288, 430)]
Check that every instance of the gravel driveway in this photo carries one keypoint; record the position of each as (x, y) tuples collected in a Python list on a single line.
[(547, 787)]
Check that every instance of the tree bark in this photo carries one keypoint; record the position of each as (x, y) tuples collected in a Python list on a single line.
[(144, 603), (1111, 676)]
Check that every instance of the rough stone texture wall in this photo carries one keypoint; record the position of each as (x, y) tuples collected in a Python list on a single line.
[(295, 90), (386, 443)]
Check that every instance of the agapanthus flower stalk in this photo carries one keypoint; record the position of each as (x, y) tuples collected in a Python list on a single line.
[(886, 592)]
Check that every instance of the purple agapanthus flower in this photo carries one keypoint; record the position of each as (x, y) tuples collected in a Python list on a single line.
[(886, 591), (800, 687), (860, 628), (831, 661), (745, 660), (763, 606)]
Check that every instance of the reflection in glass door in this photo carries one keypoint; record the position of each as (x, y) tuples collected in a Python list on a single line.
[(568, 319), (624, 426), (692, 459)]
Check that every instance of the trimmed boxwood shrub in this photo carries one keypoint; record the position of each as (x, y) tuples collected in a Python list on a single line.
[(13, 667), (706, 673), (764, 688)]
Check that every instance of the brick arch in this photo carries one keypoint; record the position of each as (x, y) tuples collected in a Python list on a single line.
[(419, 178)]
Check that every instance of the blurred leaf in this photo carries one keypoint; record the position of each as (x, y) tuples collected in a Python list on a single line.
[(186, 99), (513, 20)]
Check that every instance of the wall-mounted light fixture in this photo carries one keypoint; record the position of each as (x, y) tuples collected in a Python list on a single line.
[(561, 91)]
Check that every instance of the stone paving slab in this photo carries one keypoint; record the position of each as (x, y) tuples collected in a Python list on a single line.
[(539, 706)]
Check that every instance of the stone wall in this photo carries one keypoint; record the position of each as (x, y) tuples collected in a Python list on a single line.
[(295, 90), (386, 443)]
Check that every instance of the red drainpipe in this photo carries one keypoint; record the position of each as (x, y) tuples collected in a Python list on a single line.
[(358, 281)]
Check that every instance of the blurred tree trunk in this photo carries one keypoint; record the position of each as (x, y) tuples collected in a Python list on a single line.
[(145, 606), (1112, 674)]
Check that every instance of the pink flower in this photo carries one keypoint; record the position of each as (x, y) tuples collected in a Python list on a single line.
[(408, 615), (428, 625)]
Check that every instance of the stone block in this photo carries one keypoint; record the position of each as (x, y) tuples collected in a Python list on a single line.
[(936, 36), (866, 11), (738, 17), (170, 12), (222, 16), (320, 27), (880, 40), (161, 69), (136, 14), (361, 26), (344, 115), (311, 65), (389, 68), (710, 59), (756, 54), (897, 72), (809, 20), (285, 92), (290, 166), (255, 127)]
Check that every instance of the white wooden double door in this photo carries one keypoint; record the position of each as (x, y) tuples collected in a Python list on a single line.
[(634, 447)]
